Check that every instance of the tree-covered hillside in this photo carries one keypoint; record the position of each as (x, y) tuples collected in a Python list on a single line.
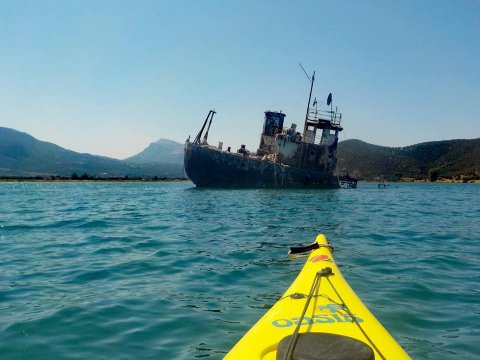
[(438, 159)]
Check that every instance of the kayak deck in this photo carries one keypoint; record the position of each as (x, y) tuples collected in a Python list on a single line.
[(318, 317)]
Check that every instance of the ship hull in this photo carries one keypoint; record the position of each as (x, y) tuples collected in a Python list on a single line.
[(209, 167)]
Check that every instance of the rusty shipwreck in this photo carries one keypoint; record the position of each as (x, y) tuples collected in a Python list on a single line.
[(285, 158)]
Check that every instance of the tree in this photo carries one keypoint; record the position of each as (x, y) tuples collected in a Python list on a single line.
[(433, 174)]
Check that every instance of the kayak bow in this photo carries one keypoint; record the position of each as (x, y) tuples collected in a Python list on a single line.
[(319, 317)]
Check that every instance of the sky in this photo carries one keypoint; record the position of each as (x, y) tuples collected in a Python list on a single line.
[(110, 77)]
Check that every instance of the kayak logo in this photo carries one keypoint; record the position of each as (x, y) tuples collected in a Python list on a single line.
[(328, 314), (320, 258)]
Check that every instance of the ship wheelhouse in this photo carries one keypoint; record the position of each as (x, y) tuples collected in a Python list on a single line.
[(322, 127), (272, 126)]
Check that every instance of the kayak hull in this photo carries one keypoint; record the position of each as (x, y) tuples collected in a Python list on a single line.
[(332, 309)]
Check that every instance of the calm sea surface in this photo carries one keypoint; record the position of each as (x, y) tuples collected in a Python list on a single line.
[(168, 271)]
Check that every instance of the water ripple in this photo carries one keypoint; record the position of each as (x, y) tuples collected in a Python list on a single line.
[(171, 271)]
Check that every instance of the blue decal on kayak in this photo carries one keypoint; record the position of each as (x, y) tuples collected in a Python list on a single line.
[(336, 315), (322, 319), (281, 323), (305, 321), (333, 308)]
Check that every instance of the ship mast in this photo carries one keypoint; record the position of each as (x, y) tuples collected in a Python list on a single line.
[(309, 98)]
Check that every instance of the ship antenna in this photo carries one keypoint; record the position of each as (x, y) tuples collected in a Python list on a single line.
[(308, 77)]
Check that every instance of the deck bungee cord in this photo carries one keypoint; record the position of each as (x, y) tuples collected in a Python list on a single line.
[(354, 319), (326, 273), (316, 283), (313, 321)]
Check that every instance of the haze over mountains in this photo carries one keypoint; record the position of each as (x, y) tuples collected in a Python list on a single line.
[(162, 151), (21, 155)]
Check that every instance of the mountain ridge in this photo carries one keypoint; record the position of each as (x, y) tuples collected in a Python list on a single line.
[(23, 155), (160, 151)]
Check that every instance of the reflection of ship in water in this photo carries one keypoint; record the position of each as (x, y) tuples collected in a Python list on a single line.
[(285, 157), (348, 181)]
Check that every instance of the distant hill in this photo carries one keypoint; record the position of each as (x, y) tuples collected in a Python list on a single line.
[(446, 159), (163, 151), (23, 155)]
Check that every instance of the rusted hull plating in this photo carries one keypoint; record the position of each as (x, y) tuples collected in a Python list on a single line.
[(209, 167)]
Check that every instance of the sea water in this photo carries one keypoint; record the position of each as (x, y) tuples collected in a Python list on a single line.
[(169, 271)]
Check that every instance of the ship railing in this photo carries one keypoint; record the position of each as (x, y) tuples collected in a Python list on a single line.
[(333, 116)]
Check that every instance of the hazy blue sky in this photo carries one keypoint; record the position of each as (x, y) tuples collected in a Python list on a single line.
[(109, 77)]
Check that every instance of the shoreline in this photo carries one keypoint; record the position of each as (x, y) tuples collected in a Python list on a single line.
[(91, 180), (439, 181)]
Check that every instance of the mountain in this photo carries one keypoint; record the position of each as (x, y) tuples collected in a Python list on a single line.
[(446, 159), (23, 155), (163, 151)]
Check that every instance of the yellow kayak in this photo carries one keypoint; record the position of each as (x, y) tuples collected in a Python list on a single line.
[(319, 317)]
